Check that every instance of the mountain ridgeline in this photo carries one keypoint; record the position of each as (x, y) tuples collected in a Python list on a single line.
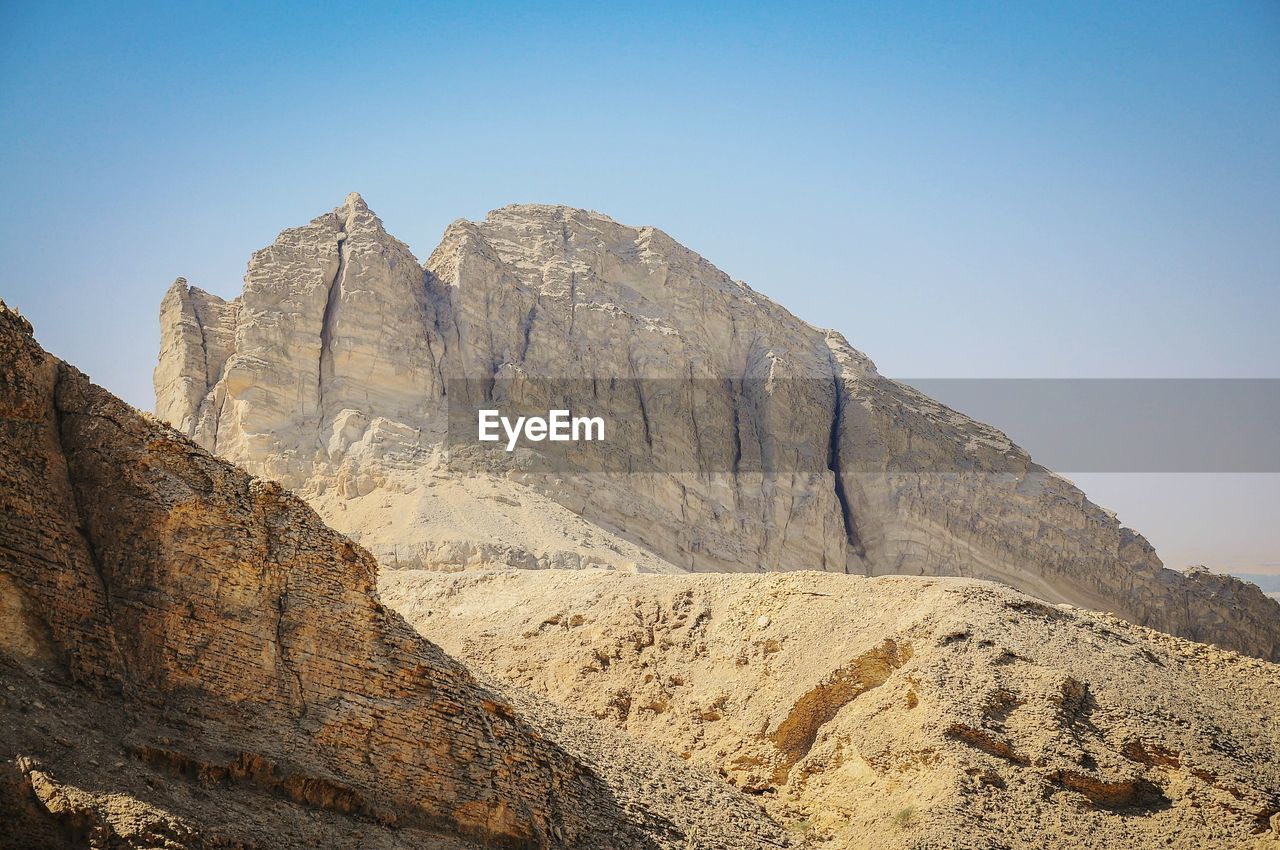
[(755, 441)]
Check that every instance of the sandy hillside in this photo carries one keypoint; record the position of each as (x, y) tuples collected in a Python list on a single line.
[(893, 711), (434, 517)]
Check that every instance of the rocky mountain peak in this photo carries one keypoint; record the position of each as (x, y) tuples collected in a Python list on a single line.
[(767, 444)]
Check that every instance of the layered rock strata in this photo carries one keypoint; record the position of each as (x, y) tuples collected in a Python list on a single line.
[(238, 646)]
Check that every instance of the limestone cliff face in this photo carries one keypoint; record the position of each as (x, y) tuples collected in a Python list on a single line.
[(757, 442), (325, 343), (174, 586), (203, 337)]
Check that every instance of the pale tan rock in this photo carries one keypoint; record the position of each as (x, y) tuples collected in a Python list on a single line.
[(197, 335), (892, 712), (328, 355), (344, 350)]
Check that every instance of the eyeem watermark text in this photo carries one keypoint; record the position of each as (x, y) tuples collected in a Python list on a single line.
[(557, 426)]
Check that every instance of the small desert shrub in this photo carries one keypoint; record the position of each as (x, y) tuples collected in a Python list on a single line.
[(904, 817)]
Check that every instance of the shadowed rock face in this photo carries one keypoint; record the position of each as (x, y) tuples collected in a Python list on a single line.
[(226, 635), (330, 374)]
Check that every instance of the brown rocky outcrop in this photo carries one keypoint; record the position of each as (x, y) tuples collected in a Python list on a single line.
[(208, 635)]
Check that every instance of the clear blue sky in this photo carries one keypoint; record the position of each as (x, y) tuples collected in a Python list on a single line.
[(963, 189)]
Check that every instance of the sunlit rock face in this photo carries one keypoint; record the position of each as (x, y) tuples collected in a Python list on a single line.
[(743, 439), (190, 658)]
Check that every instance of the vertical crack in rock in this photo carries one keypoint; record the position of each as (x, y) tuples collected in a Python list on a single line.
[(527, 328), (210, 382), (644, 416), (204, 348), (833, 464), (565, 239), (430, 297), (274, 559), (698, 449), (638, 384), (326, 325), (217, 419), (737, 433), (437, 295)]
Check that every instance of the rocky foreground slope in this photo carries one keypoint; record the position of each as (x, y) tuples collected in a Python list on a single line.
[(893, 712), (190, 658), (752, 440)]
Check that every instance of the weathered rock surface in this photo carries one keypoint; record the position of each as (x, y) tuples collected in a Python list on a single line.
[(893, 712), (757, 442), (190, 658)]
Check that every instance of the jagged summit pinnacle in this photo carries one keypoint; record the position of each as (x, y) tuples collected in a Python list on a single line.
[(352, 213), (178, 289)]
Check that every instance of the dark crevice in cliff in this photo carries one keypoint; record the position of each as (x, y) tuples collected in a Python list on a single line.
[(217, 419), (437, 361), (644, 416), (439, 297), (565, 239), (699, 449), (833, 464), (273, 561), (527, 329), (638, 385), (737, 437), (327, 322), (204, 344)]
